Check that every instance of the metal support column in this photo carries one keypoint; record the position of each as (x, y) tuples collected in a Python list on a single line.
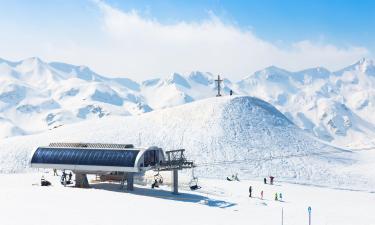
[(81, 180), (175, 181), (130, 181)]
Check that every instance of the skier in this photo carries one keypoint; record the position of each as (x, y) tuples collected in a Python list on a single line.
[(250, 191), (280, 196), (276, 199), (63, 178), (271, 179), (230, 92), (265, 180), (155, 184), (70, 176), (55, 172), (261, 195)]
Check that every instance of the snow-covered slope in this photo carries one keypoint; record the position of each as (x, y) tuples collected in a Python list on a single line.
[(36, 96), (336, 107), (226, 135), (219, 202)]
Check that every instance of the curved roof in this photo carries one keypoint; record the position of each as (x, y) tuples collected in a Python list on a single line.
[(85, 156)]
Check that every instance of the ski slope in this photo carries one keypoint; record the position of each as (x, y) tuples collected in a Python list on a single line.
[(219, 202), (225, 135)]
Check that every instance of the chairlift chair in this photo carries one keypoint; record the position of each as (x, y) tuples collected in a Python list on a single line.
[(158, 177), (193, 184)]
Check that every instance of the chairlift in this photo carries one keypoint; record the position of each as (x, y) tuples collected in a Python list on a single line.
[(155, 184), (193, 184), (158, 179)]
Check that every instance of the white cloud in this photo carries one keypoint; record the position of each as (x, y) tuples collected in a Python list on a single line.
[(128, 44), (144, 46)]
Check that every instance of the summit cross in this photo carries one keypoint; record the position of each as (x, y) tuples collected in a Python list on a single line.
[(218, 85)]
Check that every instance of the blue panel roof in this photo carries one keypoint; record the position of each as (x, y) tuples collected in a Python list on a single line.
[(91, 157)]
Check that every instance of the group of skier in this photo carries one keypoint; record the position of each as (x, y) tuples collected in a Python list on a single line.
[(271, 180), (66, 178), (278, 196)]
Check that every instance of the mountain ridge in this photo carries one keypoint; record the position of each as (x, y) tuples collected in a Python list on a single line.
[(326, 104)]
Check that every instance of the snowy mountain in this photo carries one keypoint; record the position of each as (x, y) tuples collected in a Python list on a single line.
[(335, 107), (37, 96), (225, 135), (179, 89)]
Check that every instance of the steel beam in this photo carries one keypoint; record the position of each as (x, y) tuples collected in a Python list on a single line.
[(81, 180), (175, 181), (130, 181)]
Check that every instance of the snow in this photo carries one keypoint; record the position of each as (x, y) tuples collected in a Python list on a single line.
[(32, 92), (334, 106), (346, 97), (218, 202), (288, 130), (225, 135)]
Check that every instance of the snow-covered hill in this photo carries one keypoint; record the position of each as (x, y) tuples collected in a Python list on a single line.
[(336, 107), (37, 96), (226, 135)]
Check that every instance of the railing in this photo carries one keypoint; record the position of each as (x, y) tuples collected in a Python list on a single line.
[(175, 160), (90, 145)]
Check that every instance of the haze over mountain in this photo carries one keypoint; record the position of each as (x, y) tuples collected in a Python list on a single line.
[(334, 106)]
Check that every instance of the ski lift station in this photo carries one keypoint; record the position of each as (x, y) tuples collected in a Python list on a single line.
[(101, 159)]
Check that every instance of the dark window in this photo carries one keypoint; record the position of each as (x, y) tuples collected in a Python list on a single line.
[(150, 158)]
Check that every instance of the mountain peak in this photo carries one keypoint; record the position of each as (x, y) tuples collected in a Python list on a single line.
[(272, 73), (366, 66), (273, 68), (33, 60), (31, 64), (201, 78), (179, 79), (365, 61)]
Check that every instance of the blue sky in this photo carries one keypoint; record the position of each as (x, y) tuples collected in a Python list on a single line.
[(142, 39), (339, 21)]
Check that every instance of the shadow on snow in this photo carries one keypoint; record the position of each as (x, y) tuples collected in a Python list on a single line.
[(163, 194)]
